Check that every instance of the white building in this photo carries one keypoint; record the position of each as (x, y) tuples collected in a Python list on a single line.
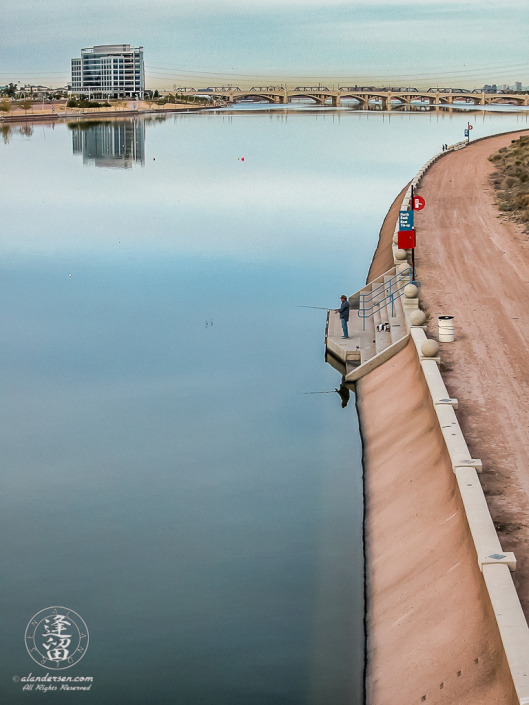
[(109, 71)]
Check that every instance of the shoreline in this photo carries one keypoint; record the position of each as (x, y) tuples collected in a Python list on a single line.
[(98, 113), (424, 588)]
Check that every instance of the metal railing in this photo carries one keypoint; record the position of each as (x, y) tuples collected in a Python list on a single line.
[(383, 294)]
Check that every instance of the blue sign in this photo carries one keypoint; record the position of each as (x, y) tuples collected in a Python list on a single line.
[(467, 133), (405, 220)]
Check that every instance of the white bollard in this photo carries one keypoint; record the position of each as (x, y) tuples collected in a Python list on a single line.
[(446, 329)]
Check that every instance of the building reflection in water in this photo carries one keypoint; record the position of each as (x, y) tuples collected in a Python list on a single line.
[(110, 144)]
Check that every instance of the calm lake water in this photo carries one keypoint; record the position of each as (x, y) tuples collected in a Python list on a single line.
[(176, 465)]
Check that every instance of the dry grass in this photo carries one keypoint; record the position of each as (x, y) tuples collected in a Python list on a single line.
[(511, 180)]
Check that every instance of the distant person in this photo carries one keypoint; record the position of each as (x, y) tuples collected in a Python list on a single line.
[(344, 314)]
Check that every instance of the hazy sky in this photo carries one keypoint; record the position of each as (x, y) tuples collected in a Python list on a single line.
[(188, 42)]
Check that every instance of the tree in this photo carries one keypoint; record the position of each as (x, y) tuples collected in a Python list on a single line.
[(26, 104), (5, 104), (156, 94), (10, 90)]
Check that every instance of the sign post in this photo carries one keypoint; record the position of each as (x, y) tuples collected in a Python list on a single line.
[(413, 248), (406, 234)]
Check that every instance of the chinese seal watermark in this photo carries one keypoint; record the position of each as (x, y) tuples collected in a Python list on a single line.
[(56, 638)]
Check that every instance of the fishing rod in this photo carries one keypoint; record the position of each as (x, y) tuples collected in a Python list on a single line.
[(333, 392), (323, 308)]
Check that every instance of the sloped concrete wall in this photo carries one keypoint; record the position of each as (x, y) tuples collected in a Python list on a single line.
[(432, 634)]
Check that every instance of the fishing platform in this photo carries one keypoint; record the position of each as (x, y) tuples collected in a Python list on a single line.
[(378, 324)]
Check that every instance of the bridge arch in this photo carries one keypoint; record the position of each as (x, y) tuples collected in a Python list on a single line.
[(246, 96), (354, 96), (425, 98), (318, 99), (507, 100)]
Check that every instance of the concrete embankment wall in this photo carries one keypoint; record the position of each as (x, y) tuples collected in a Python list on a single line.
[(443, 624), (431, 629)]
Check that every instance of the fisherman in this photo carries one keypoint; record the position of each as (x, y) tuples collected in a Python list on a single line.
[(344, 314)]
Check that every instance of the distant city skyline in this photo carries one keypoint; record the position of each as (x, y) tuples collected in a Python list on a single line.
[(465, 43)]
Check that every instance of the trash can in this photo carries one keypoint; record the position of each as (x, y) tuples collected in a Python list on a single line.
[(446, 329)]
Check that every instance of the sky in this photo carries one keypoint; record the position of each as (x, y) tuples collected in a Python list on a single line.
[(422, 43)]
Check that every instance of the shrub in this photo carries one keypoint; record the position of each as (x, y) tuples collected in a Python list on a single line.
[(84, 103)]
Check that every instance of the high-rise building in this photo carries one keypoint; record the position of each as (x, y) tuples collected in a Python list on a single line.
[(109, 71), (518, 86)]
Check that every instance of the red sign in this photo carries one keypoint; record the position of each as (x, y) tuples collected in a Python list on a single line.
[(406, 239), (418, 203)]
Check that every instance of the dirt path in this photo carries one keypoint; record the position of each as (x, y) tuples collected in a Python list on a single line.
[(474, 265)]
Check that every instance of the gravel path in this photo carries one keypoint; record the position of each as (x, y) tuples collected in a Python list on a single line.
[(474, 265)]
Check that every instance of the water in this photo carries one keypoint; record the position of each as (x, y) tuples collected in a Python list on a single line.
[(177, 468)]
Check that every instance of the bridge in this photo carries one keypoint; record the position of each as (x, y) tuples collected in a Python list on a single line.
[(388, 97)]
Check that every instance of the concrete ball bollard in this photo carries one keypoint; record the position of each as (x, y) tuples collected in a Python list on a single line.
[(430, 348), (404, 267), (395, 238), (417, 317), (411, 291), (400, 254)]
